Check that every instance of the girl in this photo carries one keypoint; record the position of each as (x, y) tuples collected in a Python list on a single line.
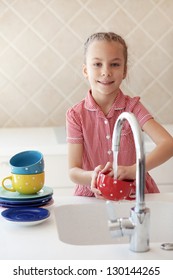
[(90, 123)]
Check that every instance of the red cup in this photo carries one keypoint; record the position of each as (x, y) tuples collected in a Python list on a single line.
[(113, 189)]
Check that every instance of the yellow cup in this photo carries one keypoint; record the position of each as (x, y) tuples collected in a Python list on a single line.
[(25, 184)]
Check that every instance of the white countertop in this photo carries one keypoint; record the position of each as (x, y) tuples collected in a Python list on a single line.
[(48, 140), (40, 242)]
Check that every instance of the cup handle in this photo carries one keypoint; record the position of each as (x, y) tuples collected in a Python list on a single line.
[(11, 189)]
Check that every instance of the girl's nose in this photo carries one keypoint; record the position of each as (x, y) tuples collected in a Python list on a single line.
[(106, 72)]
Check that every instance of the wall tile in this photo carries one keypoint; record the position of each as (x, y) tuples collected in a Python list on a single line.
[(28, 10), (48, 61), (156, 24), (11, 25), (29, 81), (12, 99), (28, 44), (11, 63), (65, 9), (47, 25)]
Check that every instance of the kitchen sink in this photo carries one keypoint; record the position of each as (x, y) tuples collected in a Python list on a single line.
[(87, 224)]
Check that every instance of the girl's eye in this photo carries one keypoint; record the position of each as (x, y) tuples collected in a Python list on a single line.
[(115, 64), (97, 64)]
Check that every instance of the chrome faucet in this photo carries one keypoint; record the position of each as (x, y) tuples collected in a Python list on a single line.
[(137, 225)]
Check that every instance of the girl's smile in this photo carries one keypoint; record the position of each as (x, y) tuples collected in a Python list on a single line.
[(106, 83)]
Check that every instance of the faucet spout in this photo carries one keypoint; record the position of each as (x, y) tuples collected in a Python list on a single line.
[(140, 156), (137, 226)]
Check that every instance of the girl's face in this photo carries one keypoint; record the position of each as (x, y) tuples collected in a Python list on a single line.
[(105, 67)]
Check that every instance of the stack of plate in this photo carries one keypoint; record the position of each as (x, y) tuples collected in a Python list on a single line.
[(14, 199)]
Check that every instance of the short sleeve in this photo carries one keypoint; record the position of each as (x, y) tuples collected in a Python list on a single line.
[(139, 110), (73, 127)]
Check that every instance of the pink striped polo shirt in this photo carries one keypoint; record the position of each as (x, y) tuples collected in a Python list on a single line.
[(86, 124)]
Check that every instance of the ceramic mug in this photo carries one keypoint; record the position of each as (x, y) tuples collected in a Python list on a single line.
[(24, 184), (27, 162), (113, 189)]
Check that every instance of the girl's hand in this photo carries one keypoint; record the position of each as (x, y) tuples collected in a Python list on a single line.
[(107, 169), (126, 172)]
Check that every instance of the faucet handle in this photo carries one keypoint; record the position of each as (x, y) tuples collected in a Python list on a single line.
[(118, 226), (114, 223), (111, 210)]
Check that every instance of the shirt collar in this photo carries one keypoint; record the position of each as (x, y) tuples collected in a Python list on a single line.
[(119, 103)]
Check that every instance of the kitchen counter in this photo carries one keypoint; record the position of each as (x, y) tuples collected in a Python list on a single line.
[(41, 242)]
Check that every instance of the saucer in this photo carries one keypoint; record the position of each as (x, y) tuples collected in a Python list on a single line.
[(27, 204), (26, 215), (25, 201), (45, 191)]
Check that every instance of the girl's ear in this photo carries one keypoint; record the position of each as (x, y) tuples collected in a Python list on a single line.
[(125, 72), (84, 71)]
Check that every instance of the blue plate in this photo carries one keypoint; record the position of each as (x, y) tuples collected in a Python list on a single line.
[(36, 204), (25, 201), (26, 215)]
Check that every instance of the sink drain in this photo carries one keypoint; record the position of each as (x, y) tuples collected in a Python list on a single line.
[(167, 246)]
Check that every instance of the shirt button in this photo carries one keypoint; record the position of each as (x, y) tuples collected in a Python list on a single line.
[(109, 152), (106, 121), (108, 137)]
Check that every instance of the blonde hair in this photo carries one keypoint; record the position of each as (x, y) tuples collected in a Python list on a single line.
[(108, 36)]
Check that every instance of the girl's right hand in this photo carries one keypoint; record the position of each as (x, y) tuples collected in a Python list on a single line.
[(107, 169)]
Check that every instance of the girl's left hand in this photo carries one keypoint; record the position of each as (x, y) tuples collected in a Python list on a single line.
[(126, 172)]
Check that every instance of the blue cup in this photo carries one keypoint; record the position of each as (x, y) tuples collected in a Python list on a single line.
[(27, 162)]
